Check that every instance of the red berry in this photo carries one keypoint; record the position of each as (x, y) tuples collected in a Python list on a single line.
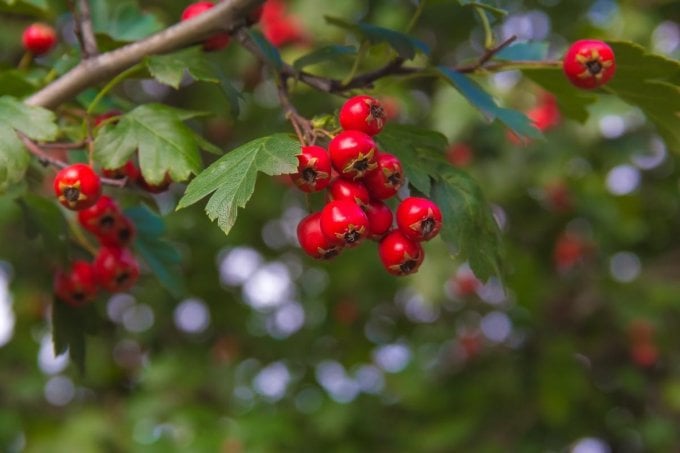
[(362, 113), (215, 42), (399, 255), (384, 182), (120, 235), (278, 27), (379, 219), (39, 38), (77, 286), (101, 217), (353, 154), (313, 241), (344, 222), (419, 219), (77, 186), (570, 250), (116, 269), (342, 189), (589, 63), (459, 154), (128, 170), (645, 354), (314, 169)]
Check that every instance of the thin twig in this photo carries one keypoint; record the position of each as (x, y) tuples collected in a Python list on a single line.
[(89, 41), (62, 146)]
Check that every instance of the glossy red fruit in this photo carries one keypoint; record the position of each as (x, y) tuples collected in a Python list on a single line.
[(400, 255), (362, 113), (344, 222), (39, 38), (77, 286), (379, 219), (120, 234), (116, 269), (314, 169), (419, 219), (215, 42), (129, 171), (77, 186), (386, 180), (313, 241), (589, 63), (343, 189), (353, 154), (101, 217)]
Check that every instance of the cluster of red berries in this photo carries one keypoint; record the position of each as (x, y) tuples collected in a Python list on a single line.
[(114, 269), (589, 63), (358, 178)]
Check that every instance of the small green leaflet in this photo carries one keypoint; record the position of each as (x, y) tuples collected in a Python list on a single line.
[(44, 219), (165, 144), (406, 46), (327, 53), (161, 256), (231, 179), (69, 326), (270, 53), (468, 227), (123, 20), (515, 120), (35, 122)]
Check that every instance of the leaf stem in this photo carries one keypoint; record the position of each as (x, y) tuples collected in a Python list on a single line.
[(357, 62), (112, 84), (416, 16), (489, 39)]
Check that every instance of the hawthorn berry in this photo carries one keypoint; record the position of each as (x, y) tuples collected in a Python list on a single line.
[(120, 234), (313, 241), (362, 113), (589, 63), (379, 219), (344, 222), (343, 189), (400, 255), (215, 42), (279, 27), (353, 154), (38, 38), (77, 186), (129, 171), (384, 182), (101, 217), (314, 169), (77, 286), (154, 188), (419, 219), (116, 269)]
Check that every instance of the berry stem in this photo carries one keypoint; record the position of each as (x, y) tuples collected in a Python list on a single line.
[(489, 39), (416, 15), (111, 85), (25, 61)]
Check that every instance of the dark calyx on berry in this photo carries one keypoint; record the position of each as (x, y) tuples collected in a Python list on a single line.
[(408, 266), (107, 221), (309, 174), (395, 179), (427, 226), (594, 66), (72, 194), (377, 112), (352, 236), (330, 253)]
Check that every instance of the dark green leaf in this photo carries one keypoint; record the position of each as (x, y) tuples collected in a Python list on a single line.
[(515, 120), (165, 144), (573, 102), (44, 219), (169, 69), (469, 226), (30, 7), (123, 20), (232, 95), (69, 326), (15, 83), (270, 53), (328, 53), (524, 51), (161, 256), (232, 177), (406, 46)]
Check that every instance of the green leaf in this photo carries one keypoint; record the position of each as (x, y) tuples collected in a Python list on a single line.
[(43, 219), (270, 53), (468, 226), (161, 256), (572, 102), (169, 69), (327, 53), (165, 144), (233, 96), (420, 151), (524, 51), (406, 46), (515, 120), (69, 326), (29, 7), (498, 12), (232, 177), (15, 83), (123, 20)]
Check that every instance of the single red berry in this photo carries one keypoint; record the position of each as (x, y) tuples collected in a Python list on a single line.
[(384, 182), (570, 250), (120, 234), (419, 219), (101, 217), (589, 63), (154, 188), (39, 38), (314, 169), (129, 171), (215, 42), (77, 286), (459, 154), (313, 241), (279, 27), (77, 186), (645, 355), (400, 255), (362, 113), (379, 219), (353, 154), (116, 269), (342, 189), (344, 222)]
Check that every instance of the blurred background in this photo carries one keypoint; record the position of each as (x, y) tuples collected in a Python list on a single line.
[(577, 349)]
